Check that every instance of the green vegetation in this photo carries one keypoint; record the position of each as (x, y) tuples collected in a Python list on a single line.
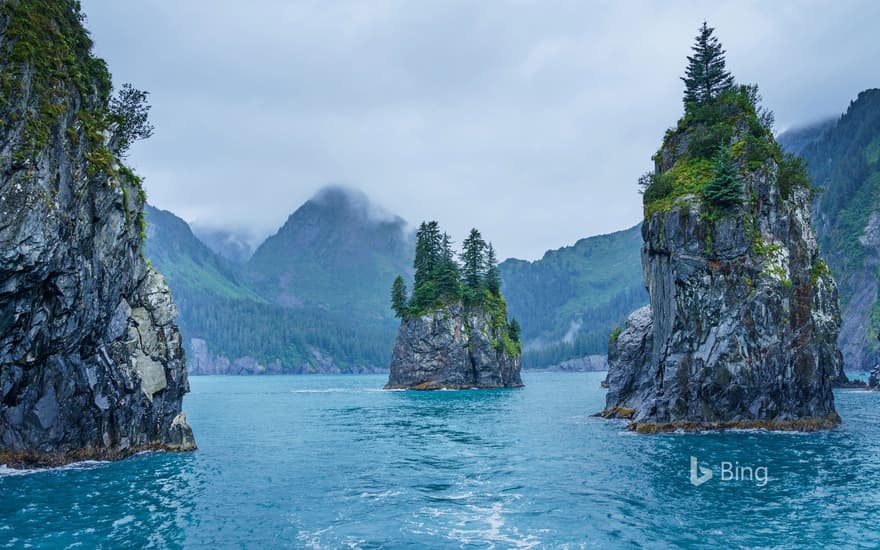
[(440, 280), (615, 334), (819, 271), (792, 174), (723, 135), (218, 304), (436, 281), (724, 190), (130, 112), (330, 254), (49, 72), (572, 298), (48, 43), (398, 297)]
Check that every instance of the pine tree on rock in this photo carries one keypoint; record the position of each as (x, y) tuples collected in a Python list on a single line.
[(514, 330), (724, 189), (493, 277), (447, 272), (427, 259), (399, 297), (706, 75), (473, 258)]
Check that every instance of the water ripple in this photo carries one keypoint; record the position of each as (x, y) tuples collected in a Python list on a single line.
[(335, 462)]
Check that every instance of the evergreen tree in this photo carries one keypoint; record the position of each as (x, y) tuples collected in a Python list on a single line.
[(493, 277), (473, 258), (724, 189), (705, 76), (447, 272), (426, 262), (514, 330), (399, 297)]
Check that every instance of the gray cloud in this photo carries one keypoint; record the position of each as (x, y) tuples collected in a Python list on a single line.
[(531, 120)]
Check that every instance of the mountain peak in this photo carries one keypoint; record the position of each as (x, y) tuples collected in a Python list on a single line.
[(338, 251), (350, 203)]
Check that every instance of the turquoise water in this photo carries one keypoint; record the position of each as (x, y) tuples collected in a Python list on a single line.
[(332, 461)]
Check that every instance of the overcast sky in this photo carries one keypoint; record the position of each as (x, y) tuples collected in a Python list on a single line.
[(531, 120)]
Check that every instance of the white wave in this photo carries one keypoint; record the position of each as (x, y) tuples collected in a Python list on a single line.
[(122, 521), (495, 531), (84, 465), (380, 496)]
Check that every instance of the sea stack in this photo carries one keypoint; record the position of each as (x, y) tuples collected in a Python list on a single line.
[(91, 365), (742, 326), (454, 332)]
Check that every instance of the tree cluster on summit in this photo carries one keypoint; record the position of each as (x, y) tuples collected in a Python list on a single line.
[(440, 279)]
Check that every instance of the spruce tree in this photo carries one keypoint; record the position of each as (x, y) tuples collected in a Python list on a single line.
[(447, 273), (493, 277), (514, 330), (724, 189), (706, 75), (427, 259), (398, 297), (473, 259)]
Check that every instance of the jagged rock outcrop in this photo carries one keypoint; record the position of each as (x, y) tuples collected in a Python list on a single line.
[(742, 326), (454, 347), (91, 363)]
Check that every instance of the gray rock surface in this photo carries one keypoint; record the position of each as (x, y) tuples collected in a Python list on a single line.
[(587, 363), (742, 326), (453, 347), (91, 364), (874, 379)]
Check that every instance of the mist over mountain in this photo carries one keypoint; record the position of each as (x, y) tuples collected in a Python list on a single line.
[(795, 140), (337, 251), (189, 265), (232, 245), (231, 326)]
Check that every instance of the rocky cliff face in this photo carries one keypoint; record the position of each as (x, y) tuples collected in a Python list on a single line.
[(91, 364), (453, 347), (742, 326)]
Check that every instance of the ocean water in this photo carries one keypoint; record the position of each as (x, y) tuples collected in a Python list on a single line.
[(335, 462)]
